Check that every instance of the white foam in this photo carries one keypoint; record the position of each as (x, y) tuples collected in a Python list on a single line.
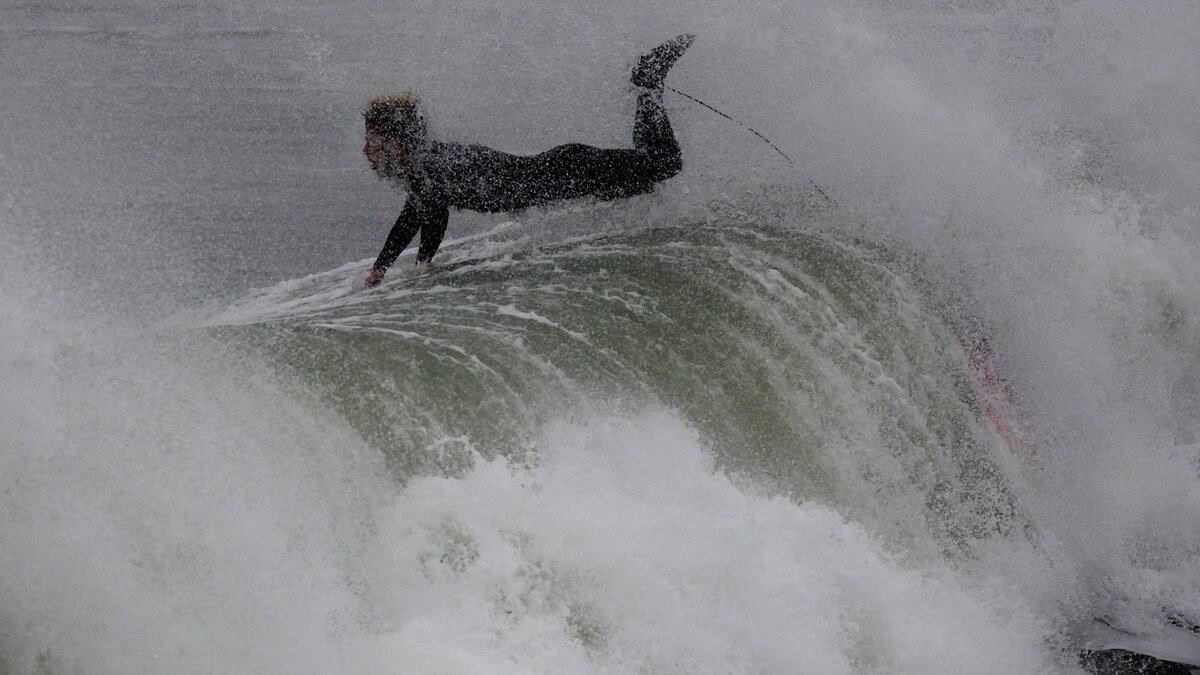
[(343, 286), (624, 551), (166, 510)]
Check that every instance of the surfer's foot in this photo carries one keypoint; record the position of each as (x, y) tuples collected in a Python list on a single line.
[(653, 66)]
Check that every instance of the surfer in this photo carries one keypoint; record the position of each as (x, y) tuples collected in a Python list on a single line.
[(441, 175)]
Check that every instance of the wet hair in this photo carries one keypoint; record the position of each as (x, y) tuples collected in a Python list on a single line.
[(397, 117)]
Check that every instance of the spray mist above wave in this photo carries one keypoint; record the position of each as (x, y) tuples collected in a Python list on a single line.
[(167, 507)]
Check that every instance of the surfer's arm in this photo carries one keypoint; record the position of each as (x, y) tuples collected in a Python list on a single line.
[(432, 231), (417, 213)]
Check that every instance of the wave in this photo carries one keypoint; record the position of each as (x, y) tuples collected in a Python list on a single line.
[(808, 364)]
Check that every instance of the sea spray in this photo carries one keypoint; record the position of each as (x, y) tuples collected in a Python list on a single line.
[(168, 508), (623, 551)]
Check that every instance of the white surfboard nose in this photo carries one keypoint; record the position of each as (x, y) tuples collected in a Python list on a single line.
[(1169, 640)]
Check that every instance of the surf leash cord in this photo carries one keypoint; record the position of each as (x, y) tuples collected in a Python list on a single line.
[(744, 126)]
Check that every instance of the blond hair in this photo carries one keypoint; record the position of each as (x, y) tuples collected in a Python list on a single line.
[(397, 116)]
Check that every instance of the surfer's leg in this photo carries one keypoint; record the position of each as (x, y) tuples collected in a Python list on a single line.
[(575, 170), (653, 135)]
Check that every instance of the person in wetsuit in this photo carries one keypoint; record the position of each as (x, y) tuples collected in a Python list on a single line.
[(442, 175)]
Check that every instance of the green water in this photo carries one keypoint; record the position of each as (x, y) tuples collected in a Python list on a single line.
[(807, 364)]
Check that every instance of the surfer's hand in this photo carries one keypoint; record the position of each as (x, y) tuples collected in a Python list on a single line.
[(373, 278)]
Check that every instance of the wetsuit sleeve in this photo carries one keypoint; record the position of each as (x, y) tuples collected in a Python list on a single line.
[(418, 214), (431, 235)]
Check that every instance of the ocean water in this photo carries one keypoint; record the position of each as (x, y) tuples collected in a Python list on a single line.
[(923, 402)]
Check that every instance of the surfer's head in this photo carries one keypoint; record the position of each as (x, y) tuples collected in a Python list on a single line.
[(395, 126)]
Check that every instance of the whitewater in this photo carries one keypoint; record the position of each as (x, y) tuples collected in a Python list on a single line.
[(923, 402)]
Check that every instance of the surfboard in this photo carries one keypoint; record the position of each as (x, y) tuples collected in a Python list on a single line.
[(1169, 648)]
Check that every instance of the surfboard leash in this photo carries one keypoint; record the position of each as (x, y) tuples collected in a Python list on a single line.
[(731, 119)]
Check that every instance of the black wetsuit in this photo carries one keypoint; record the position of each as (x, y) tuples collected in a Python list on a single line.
[(444, 175)]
